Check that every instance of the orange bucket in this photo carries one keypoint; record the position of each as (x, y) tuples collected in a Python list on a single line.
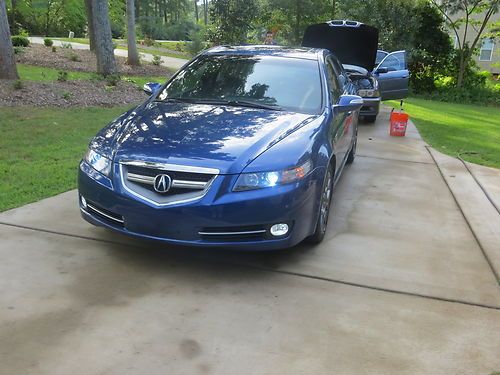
[(399, 121)]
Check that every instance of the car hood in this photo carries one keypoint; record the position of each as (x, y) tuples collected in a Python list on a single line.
[(222, 137), (353, 43)]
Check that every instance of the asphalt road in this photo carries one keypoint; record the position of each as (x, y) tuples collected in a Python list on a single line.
[(404, 283)]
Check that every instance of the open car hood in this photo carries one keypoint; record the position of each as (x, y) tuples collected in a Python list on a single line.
[(353, 42)]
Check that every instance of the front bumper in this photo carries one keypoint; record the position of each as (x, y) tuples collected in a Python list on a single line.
[(220, 210), (370, 107)]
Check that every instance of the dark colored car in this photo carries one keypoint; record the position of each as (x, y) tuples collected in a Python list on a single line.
[(241, 149), (355, 44)]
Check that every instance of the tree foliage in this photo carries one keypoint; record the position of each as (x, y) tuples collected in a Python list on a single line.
[(469, 21), (395, 19), (431, 52), (48, 17), (231, 20)]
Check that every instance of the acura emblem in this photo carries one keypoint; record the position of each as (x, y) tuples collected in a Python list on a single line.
[(162, 183)]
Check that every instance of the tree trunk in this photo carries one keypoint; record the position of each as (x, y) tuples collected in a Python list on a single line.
[(7, 59), (106, 64), (13, 16), (90, 22), (47, 19), (297, 21), (133, 56), (205, 11), (461, 69), (196, 11)]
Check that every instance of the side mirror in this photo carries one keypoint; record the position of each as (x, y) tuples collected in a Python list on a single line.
[(348, 103), (382, 70), (151, 87)]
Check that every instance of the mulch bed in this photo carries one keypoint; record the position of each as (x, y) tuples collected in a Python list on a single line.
[(39, 55), (81, 93), (70, 93)]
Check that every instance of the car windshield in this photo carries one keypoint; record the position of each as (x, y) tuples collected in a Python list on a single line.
[(269, 82)]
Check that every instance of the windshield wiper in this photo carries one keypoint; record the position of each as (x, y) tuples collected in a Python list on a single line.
[(176, 100), (240, 103), (234, 102)]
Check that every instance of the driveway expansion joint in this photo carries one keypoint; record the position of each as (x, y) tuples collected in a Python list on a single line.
[(391, 159), (282, 272), (474, 234)]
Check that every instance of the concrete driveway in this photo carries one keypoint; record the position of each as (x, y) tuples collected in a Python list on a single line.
[(403, 284)]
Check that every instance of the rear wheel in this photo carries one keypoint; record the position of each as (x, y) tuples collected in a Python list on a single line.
[(370, 119), (324, 208)]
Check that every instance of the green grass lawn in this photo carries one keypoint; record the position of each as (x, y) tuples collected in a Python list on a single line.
[(38, 73), (168, 45), (458, 128), (40, 149)]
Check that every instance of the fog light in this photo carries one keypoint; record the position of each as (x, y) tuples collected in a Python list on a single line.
[(84, 202), (279, 229)]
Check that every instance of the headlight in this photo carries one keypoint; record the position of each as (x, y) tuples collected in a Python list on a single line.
[(250, 181), (368, 93), (98, 162)]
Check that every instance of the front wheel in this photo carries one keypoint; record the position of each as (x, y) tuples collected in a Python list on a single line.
[(324, 208), (352, 153)]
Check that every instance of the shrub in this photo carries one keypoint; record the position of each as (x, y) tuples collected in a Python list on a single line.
[(117, 29), (112, 79), (66, 45), (54, 49), (48, 42), (471, 95), (18, 50), (197, 43), (148, 41), (20, 41), (66, 95), (156, 60), (17, 85), (62, 76), (74, 57)]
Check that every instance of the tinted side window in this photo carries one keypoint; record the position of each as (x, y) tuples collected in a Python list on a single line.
[(394, 61), (380, 56), (333, 82), (340, 73)]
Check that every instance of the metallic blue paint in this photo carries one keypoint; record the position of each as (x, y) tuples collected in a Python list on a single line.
[(233, 140)]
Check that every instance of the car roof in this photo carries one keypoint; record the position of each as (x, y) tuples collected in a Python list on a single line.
[(268, 50)]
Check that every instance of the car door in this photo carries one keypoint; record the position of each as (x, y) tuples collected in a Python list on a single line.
[(341, 128), (348, 122), (393, 76), (337, 129)]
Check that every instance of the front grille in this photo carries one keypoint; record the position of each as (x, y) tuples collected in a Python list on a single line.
[(222, 234), (185, 183), (152, 172)]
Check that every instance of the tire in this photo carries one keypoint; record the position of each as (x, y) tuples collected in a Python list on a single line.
[(370, 119), (352, 153), (324, 208)]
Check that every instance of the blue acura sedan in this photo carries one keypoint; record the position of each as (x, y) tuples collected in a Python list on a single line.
[(240, 149)]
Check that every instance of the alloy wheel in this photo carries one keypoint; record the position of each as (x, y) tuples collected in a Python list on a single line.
[(326, 198)]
